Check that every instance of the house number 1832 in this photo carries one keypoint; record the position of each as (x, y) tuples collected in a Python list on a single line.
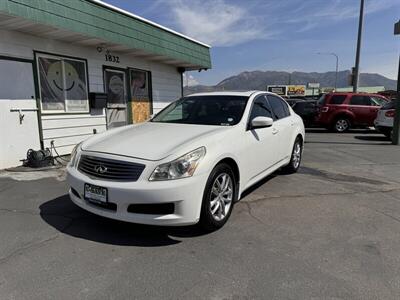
[(112, 58)]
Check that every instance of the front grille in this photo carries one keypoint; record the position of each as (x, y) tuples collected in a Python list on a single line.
[(109, 205), (110, 169)]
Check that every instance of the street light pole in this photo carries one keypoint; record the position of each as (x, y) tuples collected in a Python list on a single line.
[(396, 121), (337, 65), (357, 66)]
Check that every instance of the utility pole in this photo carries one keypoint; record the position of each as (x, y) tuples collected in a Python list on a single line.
[(357, 66), (337, 65), (396, 121)]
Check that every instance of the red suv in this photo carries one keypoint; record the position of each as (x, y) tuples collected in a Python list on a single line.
[(341, 111)]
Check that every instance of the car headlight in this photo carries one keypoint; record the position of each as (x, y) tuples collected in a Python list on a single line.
[(74, 155), (181, 167)]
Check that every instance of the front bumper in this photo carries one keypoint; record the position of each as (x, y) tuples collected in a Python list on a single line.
[(186, 194)]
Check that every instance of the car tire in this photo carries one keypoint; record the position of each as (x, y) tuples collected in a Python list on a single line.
[(295, 158), (219, 197), (388, 133), (341, 124)]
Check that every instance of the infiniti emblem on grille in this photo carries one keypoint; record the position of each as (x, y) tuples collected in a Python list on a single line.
[(100, 169)]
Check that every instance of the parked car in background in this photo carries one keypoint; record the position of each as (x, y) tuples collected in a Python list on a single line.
[(190, 163), (307, 110), (342, 111), (293, 101), (384, 120)]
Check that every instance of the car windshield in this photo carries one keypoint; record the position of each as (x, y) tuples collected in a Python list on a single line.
[(204, 110)]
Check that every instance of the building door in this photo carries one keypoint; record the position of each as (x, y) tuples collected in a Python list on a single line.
[(140, 92), (116, 89), (19, 127)]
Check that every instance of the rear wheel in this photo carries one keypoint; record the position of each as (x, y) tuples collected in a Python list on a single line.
[(218, 199), (295, 159), (341, 124)]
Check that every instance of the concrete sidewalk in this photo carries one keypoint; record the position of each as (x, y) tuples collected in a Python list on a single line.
[(331, 231)]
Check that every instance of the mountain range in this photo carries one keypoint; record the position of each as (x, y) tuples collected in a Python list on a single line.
[(258, 80)]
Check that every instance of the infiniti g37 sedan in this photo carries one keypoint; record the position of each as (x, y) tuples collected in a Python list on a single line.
[(188, 164)]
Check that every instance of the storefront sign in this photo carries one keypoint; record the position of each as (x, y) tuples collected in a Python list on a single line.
[(313, 85), (296, 90), (277, 89)]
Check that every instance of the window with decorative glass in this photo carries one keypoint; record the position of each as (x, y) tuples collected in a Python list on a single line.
[(63, 84)]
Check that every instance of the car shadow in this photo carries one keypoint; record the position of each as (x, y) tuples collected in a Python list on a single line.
[(351, 131), (387, 142), (377, 138), (62, 214), (260, 183)]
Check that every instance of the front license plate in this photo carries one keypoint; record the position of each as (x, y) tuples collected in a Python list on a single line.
[(95, 193)]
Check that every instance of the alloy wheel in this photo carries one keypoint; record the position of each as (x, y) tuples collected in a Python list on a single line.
[(342, 125), (221, 196), (296, 155)]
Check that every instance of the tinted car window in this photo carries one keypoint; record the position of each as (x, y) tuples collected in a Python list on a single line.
[(337, 99), (305, 107), (360, 100), (261, 108), (279, 107), (285, 107), (379, 101), (322, 100)]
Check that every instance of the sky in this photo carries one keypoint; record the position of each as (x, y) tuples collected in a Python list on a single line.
[(280, 35)]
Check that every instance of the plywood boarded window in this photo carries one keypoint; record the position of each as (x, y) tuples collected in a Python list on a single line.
[(140, 85)]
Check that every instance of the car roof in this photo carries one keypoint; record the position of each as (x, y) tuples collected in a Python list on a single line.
[(230, 93), (352, 93)]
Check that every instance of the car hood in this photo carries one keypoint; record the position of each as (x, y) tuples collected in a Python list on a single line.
[(149, 140)]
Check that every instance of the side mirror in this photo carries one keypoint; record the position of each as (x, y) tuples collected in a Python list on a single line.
[(261, 122)]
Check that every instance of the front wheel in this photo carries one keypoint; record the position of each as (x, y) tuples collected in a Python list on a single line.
[(341, 124), (219, 196), (295, 158)]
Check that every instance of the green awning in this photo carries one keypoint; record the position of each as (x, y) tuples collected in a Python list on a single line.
[(94, 22)]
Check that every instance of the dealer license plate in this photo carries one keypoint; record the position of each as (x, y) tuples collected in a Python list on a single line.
[(95, 193)]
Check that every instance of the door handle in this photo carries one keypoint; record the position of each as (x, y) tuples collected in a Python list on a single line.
[(275, 131)]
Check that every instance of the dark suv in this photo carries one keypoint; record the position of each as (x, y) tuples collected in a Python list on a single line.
[(341, 111)]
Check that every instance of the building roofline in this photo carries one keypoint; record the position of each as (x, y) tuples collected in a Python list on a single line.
[(129, 14)]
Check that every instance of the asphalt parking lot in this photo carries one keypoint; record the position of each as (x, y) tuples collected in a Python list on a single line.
[(332, 231)]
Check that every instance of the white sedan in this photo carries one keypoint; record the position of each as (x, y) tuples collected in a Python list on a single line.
[(190, 163)]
